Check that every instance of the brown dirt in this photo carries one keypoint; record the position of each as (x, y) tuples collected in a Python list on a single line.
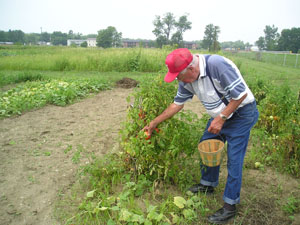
[(38, 154), (126, 83)]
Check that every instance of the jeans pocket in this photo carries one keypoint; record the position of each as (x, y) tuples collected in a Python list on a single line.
[(248, 116), (245, 114)]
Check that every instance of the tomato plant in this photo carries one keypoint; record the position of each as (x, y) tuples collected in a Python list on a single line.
[(164, 154), (280, 121)]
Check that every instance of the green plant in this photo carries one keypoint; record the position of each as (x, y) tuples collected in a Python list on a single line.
[(278, 137), (169, 150), (292, 205), (39, 93)]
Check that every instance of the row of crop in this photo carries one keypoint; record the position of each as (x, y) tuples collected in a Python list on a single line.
[(76, 59), (36, 94), (277, 134)]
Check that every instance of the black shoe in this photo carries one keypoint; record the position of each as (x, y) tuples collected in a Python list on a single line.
[(202, 188), (222, 216)]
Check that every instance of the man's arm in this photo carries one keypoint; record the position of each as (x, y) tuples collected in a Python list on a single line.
[(168, 113), (217, 124)]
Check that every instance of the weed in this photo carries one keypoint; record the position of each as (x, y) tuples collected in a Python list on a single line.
[(292, 205), (69, 148)]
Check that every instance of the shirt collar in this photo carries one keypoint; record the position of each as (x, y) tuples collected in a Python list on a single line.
[(202, 66)]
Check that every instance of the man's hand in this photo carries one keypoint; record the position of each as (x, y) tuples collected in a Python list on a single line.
[(150, 128), (168, 113), (216, 125)]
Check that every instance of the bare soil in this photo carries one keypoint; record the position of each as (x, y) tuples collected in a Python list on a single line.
[(39, 157)]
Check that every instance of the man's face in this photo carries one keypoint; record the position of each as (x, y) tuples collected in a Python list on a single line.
[(190, 76)]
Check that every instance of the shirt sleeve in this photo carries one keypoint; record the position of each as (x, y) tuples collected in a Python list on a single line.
[(229, 77), (233, 83), (183, 95)]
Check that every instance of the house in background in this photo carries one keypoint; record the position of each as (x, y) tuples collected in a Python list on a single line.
[(190, 45), (129, 43), (91, 42), (74, 42)]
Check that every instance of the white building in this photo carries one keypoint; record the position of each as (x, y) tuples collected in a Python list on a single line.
[(76, 42), (91, 42)]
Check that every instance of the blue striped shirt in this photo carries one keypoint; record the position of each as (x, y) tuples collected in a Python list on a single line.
[(227, 80)]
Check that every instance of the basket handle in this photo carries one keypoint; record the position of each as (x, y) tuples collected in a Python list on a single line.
[(222, 139)]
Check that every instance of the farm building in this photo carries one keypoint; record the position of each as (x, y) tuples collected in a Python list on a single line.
[(74, 42), (129, 43), (91, 42)]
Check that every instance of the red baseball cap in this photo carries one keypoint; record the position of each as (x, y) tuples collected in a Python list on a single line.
[(177, 61)]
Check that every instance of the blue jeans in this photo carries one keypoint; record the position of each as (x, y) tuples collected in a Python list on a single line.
[(236, 132)]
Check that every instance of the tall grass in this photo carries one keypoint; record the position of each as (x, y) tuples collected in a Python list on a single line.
[(19, 77), (47, 58)]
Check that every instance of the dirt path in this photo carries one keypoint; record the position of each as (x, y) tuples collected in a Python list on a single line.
[(39, 152)]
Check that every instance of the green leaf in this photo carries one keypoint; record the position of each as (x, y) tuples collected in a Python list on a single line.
[(148, 222), (189, 203), (180, 202), (125, 215), (175, 218), (103, 208), (110, 222), (90, 194), (188, 213), (115, 208)]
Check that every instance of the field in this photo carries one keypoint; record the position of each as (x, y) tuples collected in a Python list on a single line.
[(72, 151)]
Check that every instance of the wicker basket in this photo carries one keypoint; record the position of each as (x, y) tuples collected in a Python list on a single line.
[(211, 152)]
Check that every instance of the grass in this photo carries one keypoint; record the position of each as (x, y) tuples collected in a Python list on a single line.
[(47, 58), (286, 60)]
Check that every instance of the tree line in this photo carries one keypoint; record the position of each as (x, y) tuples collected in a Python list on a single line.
[(168, 30), (288, 40), (55, 38)]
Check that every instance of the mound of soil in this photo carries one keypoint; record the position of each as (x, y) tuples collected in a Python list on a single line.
[(127, 83)]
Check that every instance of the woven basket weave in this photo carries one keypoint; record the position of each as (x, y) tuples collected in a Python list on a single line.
[(211, 152)]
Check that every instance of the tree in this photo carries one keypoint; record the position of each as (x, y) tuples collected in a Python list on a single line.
[(16, 36), (248, 45), (182, 25), (31, 38), (163, 28), (109, 37), (59, 38), (159, 32), (236, 45), (45, 37), (84, 44), (3, 36), (271, 37), (169, 23), (289, 40), (261, 43), (211, 35)]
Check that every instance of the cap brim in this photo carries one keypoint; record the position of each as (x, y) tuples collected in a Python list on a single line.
[(170, 77)]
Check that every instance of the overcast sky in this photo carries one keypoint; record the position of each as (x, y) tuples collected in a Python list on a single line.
[(238, 19)]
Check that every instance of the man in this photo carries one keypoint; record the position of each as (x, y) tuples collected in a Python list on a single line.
[(218, 84)]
